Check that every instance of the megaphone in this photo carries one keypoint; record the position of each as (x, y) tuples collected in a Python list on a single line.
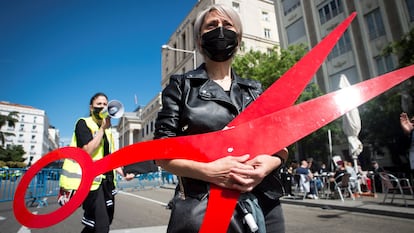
[(115, 109)]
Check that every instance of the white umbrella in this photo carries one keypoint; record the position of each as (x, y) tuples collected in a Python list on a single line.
[(351, 124)]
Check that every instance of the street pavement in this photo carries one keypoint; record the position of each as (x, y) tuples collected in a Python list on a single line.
[(368, 204), (372, 205)]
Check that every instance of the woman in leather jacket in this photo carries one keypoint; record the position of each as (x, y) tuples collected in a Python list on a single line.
[(206, 100)]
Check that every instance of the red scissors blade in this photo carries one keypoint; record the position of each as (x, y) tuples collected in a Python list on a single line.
[(285, 91), (279, 129), (282, 128)]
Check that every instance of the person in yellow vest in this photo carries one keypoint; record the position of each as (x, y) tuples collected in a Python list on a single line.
[(93, 134)]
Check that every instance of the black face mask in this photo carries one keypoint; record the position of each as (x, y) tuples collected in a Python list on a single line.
[(219, 44), (96, 112)]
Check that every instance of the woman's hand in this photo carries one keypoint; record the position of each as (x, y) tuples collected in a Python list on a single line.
[(406, 124), (246, 179), (219, 172), (106, 123)]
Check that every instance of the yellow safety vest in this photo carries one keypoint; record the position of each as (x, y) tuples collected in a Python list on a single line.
[(71, 171)]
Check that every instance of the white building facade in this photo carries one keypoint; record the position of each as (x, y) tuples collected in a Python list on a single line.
[(139, 126), (32, 131), (358, 54), (260, 33)]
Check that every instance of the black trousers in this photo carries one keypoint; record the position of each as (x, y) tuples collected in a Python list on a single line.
[(99, 208)]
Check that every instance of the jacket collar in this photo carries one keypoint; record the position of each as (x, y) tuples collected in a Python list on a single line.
[(209, 90), (201, 73)]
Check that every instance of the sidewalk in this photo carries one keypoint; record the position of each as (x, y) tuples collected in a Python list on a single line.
[(362, 204)]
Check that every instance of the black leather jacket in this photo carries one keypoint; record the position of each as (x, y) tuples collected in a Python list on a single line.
[(194, 104)]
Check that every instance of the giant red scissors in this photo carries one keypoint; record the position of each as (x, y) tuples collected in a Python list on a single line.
[(271, 121)]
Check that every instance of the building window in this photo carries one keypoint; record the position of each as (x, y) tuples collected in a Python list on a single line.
[(183, 41), (243, 46), (350, 73), (10, 127), (295, 31), (21, 127), (269, 51), (265, 16), (343, 46), (33, 139), (20, 139), (384, 64), (330, 10), (175, 56), (236, 6), (410, 8), (267, 33), (290, 5), (34, 119), (375, 25)]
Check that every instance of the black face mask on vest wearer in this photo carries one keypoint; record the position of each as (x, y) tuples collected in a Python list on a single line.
[(96, 112), (219, 44)]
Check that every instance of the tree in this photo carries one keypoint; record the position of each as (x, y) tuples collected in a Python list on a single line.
[(12, 156), (315, 144), (267, 68), (403, 48), (12, 153), (10, 120), (380, 116), (381, 129)]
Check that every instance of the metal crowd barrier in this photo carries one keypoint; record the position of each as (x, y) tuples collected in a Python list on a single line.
[(46, 184), (147, 180)]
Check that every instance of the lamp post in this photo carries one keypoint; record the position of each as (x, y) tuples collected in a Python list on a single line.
[(184, 51)]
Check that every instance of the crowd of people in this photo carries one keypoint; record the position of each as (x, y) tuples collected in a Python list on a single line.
[(317, 176)]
